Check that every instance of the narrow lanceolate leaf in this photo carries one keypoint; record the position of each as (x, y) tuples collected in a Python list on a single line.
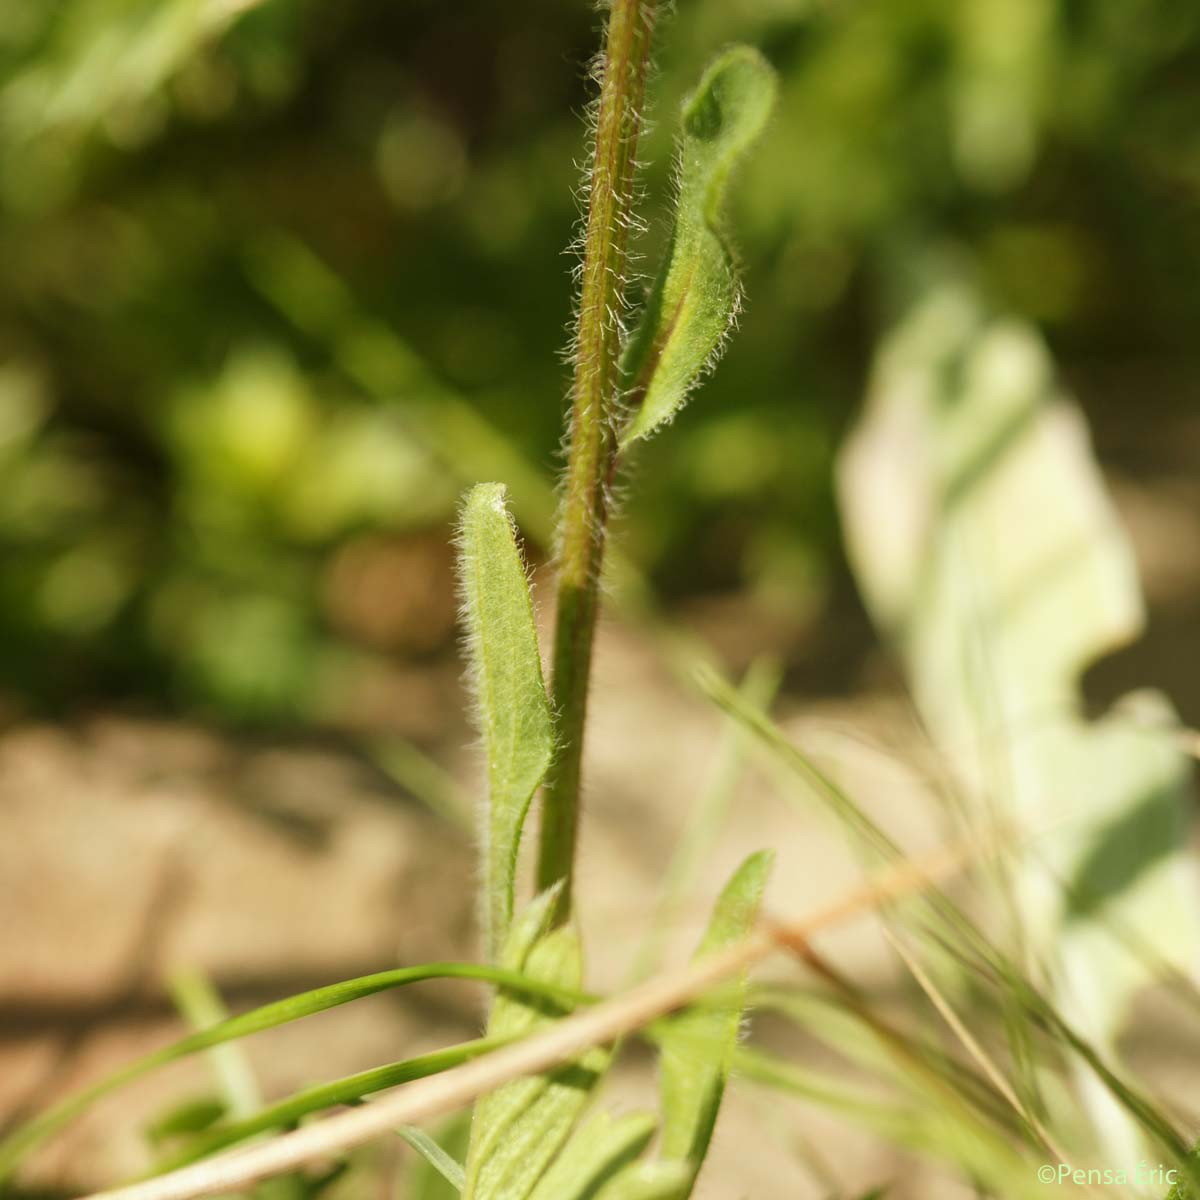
[(695, 298), (519, 1129), (26, 1137), (513, 711), (697, 1048), (596, 1154), (349, 1090)]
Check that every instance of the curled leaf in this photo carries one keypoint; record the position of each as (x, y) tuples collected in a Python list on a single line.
[(698, 1047), (696, 296), (513, 709)]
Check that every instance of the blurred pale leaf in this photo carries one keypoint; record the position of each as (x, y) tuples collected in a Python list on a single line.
[(984, 542), (96, 60)]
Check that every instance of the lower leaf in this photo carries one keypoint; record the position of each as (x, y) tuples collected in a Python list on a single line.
[(518, 1130)]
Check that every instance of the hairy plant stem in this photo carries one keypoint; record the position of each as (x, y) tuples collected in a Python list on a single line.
[(593, 450)]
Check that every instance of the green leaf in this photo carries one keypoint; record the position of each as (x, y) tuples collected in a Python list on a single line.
[(1183, 1188), (348, 1090), (23, 1139), (513, 710), (650, 1181), (190, 1117), (597, 1152), (697, 1047), (696, 296), (448, 1167), (518, 1129)]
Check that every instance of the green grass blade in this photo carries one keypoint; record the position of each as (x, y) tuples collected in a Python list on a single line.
[(941, 913), (269, 1016), (201, 1005), (423, 1181), (186, 1120), (349, 1090), (820, 1088), (705, 824), (519, 1129), (765, 732), (696, 297), (370, 355), (448, 1167), (424, 779), (513, 709), (697, 1047), (945, 923), (845, 1021), (917, 1119)]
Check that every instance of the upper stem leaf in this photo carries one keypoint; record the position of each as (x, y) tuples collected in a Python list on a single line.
[(696, 296)]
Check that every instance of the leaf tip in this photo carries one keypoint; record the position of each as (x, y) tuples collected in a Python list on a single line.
[(733, 99)]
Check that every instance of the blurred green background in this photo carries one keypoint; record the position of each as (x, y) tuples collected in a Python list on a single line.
[(281, 278)]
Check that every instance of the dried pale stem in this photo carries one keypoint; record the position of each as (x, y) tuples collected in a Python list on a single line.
[(594, 396)]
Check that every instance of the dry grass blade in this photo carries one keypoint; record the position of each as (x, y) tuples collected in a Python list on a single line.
[(560, 1043), (973, 1047)]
